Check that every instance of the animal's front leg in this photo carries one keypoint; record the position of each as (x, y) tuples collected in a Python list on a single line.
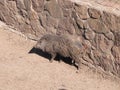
[(79, 65), (53, 57), (73, 62)]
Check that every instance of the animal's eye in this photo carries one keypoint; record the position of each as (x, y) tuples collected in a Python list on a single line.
[(40, 41), (46, 39)]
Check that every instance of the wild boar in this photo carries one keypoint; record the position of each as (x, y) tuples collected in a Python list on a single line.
[(55, 44)]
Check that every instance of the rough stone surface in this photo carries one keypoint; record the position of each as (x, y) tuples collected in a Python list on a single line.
[(110, 36), (65, 25), (81, 10), (116, 53), (81, 24), (112, 21), (117, 38), (65, 4), (38, 5), (93, 13), (105, 45), (89, 34), (53, 8), (96, 27)]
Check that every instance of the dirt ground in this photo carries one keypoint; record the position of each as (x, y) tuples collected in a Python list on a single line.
[(20, 70)]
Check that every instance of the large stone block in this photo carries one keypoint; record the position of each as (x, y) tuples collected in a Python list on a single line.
[(117, 38), (103, 43), (81, 23), (67, 4), (35, 24), (48, 21), (20, 4), (53, 8), (65, 25), (116, 53), (111, 20), (28, 4), (38, 5), (82, 11), (98, 26), (94, 13), (110, 36), (89, 34)]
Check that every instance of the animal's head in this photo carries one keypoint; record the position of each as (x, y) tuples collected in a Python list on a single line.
[(41, 44)]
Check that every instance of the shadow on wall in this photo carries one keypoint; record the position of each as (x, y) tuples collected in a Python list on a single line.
[(39, 52)]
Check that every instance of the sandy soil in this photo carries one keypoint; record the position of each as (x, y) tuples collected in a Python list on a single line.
[(20, 70)]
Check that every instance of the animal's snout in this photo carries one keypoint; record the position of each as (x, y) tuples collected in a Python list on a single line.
[(35, 46)]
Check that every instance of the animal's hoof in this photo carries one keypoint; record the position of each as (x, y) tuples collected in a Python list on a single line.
[(59, 61), (51, 61)]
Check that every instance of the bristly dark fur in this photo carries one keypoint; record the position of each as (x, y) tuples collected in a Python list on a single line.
[(54, 44)]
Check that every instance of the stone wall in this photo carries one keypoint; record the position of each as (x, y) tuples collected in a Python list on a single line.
[(98, 28)]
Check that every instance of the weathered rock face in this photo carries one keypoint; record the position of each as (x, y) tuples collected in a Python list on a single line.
[(98, 29)]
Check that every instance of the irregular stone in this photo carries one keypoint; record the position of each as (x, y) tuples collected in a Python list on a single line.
[(117, 38), (3, 2), (89, 34), (11, 13), (3, 14), (110, 36), (78, 31), (65, 25), (21, 8), (104, 60), (111, 21), (25, 28), (87, 46), (46, 20), (94, 13), (20, 4), (95, 55), (103, 43), (66, 12), (74, 15), (107, 63), (53, 20), (35, 24), (2, 18), (81, 10), (12, 8), (65, 4), (53, 8), (81, 24), (42, 18), (28, 4), (98, 26), (38, 5), (116, 53), (86, 58), (118, 23)]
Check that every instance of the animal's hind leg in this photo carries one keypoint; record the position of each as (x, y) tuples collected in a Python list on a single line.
[(53, 57)]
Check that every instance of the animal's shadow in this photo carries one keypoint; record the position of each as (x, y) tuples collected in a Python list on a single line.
[(67, 60)]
